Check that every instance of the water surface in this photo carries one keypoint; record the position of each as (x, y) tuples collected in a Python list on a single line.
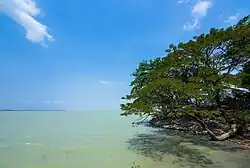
[(103, 139)]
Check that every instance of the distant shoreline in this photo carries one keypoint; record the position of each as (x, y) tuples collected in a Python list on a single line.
[(32, 110)]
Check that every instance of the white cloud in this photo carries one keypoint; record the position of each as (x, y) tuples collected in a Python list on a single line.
[(24, 13), (104, 82), (194, 25), (200, 9), (182, 1), (53, 102), (198, 12), (233, 18)]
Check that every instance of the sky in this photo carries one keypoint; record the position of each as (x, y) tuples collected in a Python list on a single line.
[(78, 55)]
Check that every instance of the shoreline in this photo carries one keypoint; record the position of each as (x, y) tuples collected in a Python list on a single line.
[(242, 142)]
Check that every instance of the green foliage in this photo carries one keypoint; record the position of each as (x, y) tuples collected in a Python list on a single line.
[(246, 75), (196, 78)]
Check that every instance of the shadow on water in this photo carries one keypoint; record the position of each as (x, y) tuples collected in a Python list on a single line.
[(182, 146)]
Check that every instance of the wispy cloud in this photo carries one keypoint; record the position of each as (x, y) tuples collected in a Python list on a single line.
[(53, 102), (198, 12), (24, 13), (182, 1), (106, 82), (233, 18)]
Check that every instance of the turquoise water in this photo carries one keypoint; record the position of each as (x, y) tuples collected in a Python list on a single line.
[(103, 139)]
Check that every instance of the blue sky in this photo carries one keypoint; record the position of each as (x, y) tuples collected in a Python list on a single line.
[(80, 54)]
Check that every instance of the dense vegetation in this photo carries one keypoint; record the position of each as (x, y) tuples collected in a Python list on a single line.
[(206, 78)]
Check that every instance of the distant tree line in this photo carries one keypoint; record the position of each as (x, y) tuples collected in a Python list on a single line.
[(206, 78)]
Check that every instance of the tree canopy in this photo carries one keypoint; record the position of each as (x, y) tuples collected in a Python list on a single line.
[(206, 77)]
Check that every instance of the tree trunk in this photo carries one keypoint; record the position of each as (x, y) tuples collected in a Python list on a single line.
[(214, 137)]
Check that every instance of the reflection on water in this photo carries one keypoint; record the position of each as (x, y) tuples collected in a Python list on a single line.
[(177, 149), (104, 140)]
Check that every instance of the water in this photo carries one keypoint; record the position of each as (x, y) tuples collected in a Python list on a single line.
[(103, 139)]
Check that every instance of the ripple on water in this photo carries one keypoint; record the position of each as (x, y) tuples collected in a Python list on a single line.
[(4, 146), (4, 142)]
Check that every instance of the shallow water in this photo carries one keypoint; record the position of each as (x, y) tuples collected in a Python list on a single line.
[(103, 139)]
